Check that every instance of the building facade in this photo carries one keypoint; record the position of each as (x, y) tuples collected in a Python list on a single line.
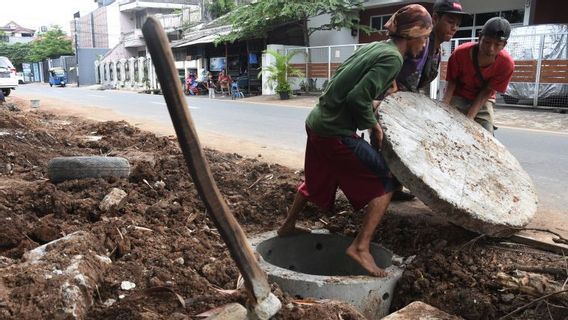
[(14, 33), (517, 12)]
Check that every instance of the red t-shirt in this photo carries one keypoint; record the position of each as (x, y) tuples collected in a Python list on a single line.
[(462, 71)]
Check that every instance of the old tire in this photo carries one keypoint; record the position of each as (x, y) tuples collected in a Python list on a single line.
[(66, 168), (6, 92)]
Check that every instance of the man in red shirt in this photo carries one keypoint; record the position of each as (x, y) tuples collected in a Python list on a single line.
[(477, 70)]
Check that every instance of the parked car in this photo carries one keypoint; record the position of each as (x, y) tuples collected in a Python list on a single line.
[(8, 80), (57, 77), (524, 46)]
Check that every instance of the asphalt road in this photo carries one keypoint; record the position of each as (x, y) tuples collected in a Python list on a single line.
[(544, 155)]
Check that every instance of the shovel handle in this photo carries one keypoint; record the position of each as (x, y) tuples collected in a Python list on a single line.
[(230, 230)]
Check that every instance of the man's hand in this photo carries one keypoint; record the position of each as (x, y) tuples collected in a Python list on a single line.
[(376, 136), (392, 89), (376, 104)]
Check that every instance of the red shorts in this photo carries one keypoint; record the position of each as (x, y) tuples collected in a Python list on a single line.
[(348, 163)]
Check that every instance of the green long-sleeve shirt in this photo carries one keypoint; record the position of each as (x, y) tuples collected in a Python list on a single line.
[(346, 104)]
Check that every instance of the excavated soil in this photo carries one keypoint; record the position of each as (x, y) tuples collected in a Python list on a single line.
[(162, 240)]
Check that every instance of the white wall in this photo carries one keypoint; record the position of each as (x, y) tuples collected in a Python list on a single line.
[(127, 22), (333, 37), (113, 24), (477, 6)]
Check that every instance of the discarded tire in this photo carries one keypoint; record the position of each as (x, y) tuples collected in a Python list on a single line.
[(66, 168)]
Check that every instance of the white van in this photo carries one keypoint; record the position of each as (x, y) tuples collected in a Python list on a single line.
[(8, 80)]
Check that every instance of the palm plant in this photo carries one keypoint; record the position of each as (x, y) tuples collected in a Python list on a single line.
[(279, 72)]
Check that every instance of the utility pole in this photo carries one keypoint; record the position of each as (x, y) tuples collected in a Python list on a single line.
[(76, 17)]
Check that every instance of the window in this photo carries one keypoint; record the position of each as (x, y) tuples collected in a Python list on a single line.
[(140, 19), (377, 22), (471, 26), (481, 18), (514, 16), (463, 34), (467, 21)]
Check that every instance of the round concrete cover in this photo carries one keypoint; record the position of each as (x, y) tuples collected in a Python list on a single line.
[(455, 166)]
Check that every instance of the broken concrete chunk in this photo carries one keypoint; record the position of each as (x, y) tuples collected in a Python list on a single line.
[(419, 311), (5, 262), (113, 200), (57, 280), (455, 166), (127, 285), (232, 311)]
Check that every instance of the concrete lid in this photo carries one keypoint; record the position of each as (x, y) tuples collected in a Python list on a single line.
[(455, 166)]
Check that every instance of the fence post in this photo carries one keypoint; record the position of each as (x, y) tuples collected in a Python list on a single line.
[(307, 59), (538, 71), (328, 63)]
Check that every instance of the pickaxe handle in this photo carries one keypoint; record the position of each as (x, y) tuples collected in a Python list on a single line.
[(231, 232)]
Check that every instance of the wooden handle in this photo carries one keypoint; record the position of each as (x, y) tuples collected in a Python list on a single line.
[(231, 232)]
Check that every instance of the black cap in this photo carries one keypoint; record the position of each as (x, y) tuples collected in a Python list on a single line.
[(449, 6), (497, 27)]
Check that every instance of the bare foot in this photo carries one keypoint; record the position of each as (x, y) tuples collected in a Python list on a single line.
[(365, 260), (288, 230)]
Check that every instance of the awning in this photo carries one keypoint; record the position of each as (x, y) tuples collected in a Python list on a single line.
[(206, 39)]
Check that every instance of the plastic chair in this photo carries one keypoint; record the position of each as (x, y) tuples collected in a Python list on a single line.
[(235, 91)]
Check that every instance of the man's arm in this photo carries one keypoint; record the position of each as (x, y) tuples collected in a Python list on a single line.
[(480, 100), (450, 89), (376, 136), (375, 81)]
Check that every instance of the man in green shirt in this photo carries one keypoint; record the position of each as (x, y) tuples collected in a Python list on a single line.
[(336, 157)]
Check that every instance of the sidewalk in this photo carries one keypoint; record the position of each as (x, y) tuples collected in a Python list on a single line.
[(507, 117)]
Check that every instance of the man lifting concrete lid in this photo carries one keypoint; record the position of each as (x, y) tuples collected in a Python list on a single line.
[(455, 166)]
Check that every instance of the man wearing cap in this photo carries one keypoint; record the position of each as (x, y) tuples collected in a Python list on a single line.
[(336, 157), (418, 71), (477, 70)]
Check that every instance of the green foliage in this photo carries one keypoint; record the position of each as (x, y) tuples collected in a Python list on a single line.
[(257, 19), (17, 52), (218, 8), (280, 70), (52, 44)]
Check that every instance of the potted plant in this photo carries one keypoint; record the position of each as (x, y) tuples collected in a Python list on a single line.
[(279, 71)]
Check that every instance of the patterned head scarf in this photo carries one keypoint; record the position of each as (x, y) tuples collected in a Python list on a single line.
[(411, 21)]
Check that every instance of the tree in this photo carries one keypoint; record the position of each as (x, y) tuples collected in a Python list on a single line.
[(217, 8), (258, 18), (279, 71), (52, 44), (18, 53)]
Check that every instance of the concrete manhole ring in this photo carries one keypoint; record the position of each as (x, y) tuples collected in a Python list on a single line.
[(315, 265)]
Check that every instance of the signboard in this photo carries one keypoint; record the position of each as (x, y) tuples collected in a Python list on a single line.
[(217, 63)]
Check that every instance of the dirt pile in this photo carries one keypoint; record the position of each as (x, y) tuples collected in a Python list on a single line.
[(161, 240)]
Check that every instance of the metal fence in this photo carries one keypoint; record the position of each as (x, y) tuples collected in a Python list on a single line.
[(318, 64), (540, 78), (68, 63)]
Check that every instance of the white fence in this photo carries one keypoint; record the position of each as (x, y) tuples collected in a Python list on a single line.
[(128, 74)]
